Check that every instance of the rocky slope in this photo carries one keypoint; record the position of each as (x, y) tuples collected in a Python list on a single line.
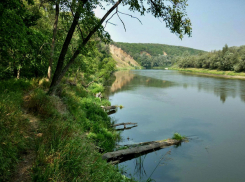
[(124, 61)]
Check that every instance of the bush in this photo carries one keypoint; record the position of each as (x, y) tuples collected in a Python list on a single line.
[(96, 88)]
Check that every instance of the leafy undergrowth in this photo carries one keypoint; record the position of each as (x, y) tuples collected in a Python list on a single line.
[(73, 126)]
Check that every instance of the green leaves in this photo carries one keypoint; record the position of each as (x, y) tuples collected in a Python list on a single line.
[(172, 12), (228, 59)]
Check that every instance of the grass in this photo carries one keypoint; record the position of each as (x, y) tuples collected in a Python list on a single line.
[(178, 136), (208, 71), (13, 126), (128, 68), (121, 106), (74, 129)]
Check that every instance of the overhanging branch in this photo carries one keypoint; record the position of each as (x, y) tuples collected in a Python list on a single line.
[(121, 20), (85, 41), (110, 18), (131, 16)]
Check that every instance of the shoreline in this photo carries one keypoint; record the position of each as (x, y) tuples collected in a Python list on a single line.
[(212, 73)]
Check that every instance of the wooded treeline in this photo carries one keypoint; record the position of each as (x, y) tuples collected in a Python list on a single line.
[(64, 34), (155, 55), (227, 59), (32, 36)]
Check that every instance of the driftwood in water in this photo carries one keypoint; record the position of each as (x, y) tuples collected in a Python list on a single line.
[(137, 144), (109, 107), (111, 112), (127, 128), (124, 124), (126, 154)]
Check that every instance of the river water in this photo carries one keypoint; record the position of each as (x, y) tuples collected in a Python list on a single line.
[(208, 110)]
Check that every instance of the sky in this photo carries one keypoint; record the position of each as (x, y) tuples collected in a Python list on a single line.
[(214, 24)]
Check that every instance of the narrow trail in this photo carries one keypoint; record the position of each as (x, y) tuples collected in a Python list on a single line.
[(23, 169)]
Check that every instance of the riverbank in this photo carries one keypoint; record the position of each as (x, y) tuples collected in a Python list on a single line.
[(213, 73), (56, 138)]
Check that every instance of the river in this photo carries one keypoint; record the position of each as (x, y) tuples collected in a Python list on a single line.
[(208, 110)]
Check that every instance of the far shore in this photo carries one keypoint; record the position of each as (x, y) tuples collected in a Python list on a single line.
[(213, 73)]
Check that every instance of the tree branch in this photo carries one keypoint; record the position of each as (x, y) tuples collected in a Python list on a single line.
[(130, 16), (85, 41), (59, 71), (113, 23), (110, 18), (121, 20)]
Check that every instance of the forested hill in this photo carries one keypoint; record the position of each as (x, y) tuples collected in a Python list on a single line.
[(155, 49), (155, 55)]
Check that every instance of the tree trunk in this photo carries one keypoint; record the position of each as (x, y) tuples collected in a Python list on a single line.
[(57, 9), (59, 72), (18, 73)]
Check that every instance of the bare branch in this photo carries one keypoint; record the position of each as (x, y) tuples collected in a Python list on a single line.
[(113, 23), (121, 20), (159, 20), (131, 16), (110, 18)]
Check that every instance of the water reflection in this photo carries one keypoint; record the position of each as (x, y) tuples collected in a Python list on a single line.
[(164, 102), (125, 79), (221, 87), (139, 164)]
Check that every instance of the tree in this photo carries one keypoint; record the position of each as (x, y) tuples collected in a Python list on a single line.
[(18, 41), (57, 11), (173, 13)]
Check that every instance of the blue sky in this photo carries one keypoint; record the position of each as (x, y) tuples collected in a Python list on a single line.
[(214, 22)]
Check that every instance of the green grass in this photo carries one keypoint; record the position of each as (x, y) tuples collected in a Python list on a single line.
[(207, 71), (74, 128), (178, 136), (13, 126)]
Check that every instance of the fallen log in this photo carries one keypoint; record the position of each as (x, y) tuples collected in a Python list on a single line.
[(109, 107), (127, 154), (136, 144), (111, 112), (127, 128), (124, 124)]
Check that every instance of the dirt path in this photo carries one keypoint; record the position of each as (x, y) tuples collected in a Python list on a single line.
[(23, 172)]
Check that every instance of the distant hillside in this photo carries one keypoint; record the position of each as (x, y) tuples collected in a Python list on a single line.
[(155, 49), (154, 55), (123, 60)]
